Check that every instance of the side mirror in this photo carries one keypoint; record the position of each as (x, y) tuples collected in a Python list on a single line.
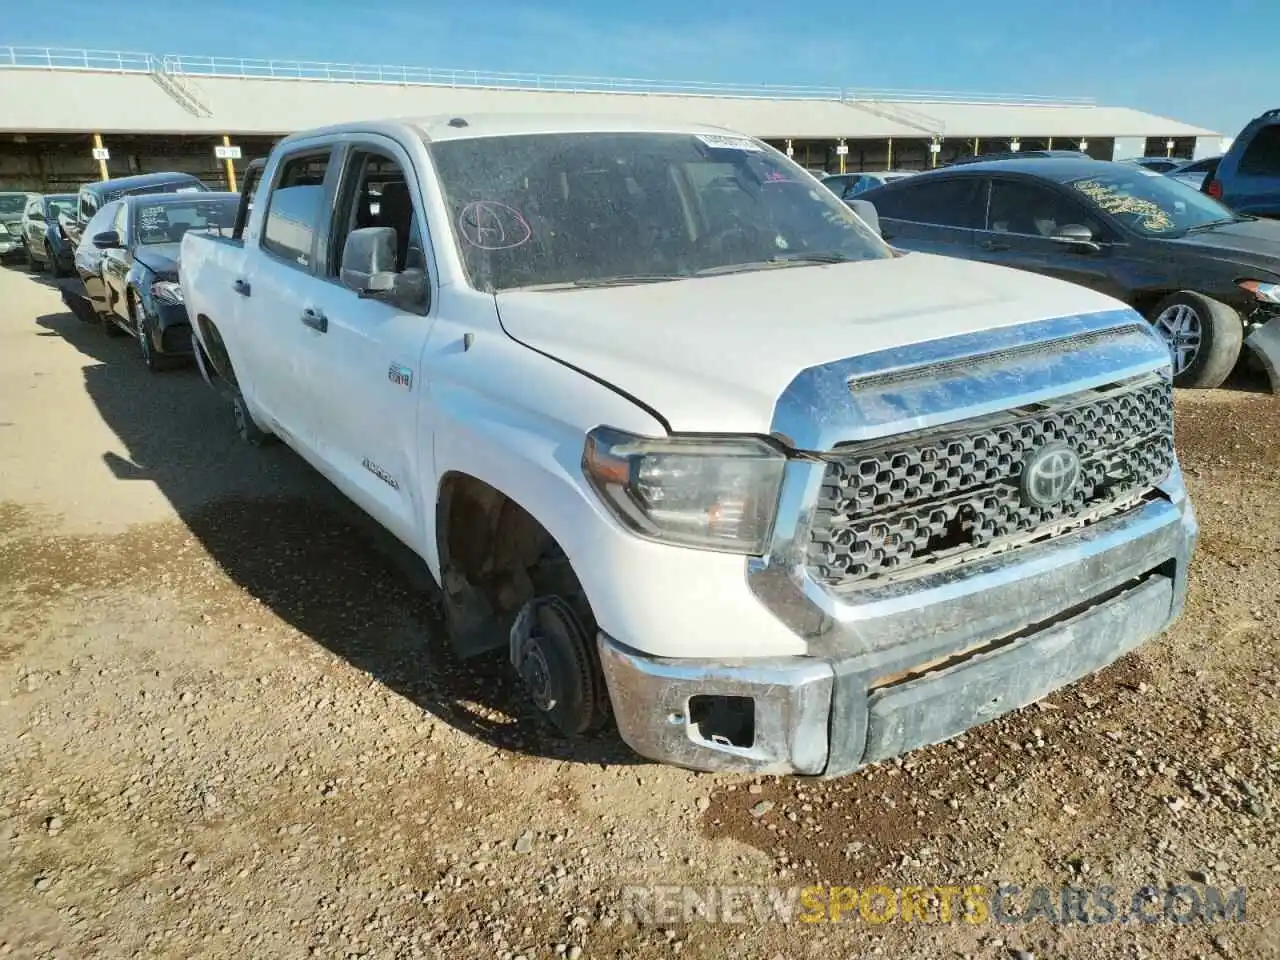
[(107, 240), (369, 268), (1077, 234), (867, 211)]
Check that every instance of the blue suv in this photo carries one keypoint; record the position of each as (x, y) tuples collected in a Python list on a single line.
[(1248, 177)]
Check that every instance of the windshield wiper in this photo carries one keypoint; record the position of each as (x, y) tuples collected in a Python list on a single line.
[(1217, 223), (784, 260), (624, 280)]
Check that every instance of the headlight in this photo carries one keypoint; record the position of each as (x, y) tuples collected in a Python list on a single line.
[(712, 493), (167, 291), (1266, 292)]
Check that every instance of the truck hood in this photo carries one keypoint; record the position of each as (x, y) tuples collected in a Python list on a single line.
[(714, 354)]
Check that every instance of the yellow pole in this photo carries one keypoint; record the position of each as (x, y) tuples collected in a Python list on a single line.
[(842, 154), (1050, 147), (1168, 148), (933, 154), (102, 164), (231, 165), (977, 146), (889, 165)]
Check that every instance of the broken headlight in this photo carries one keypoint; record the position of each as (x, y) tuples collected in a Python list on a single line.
[(714, 493)]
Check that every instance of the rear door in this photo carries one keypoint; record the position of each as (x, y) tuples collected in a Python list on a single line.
[(1022, 217), (369, 356), (1254, 186), (931, 213), (276, 290)]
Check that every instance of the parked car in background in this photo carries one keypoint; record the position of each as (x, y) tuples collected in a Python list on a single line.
[(849, 185), (1021, 155), (1193, 174), (11, 244), (48, 246), (936, 493), (1248, 177), (92, 196), (1156, 164), (139, 267), (1204, 276)]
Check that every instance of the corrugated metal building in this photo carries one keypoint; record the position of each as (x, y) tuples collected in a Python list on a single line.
[(152, 112)]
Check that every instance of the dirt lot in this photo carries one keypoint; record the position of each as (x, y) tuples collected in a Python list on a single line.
[(228, 729)]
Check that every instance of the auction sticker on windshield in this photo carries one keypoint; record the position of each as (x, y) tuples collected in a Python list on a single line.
[(717, 142)]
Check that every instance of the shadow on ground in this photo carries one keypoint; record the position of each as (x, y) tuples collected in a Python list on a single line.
[(291, 541)]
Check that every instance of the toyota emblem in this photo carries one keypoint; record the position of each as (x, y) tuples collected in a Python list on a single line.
[(1051, 473)]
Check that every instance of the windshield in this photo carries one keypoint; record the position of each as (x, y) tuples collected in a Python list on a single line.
[(12, 204), (60, 205), (1151, 203), (167, 222), (581, 208)]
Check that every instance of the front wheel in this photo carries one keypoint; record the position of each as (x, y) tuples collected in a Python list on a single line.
[(1203, 335)]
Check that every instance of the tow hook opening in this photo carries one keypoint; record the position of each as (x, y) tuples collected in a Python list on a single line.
[(723, 720)]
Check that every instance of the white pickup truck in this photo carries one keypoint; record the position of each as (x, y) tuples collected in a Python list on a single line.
[(669, 421)]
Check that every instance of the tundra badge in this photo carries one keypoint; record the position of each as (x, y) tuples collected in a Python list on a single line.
[(401, 376)]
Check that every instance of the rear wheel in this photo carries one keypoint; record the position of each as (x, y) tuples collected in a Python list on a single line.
[(1204, 338), (248, 429)]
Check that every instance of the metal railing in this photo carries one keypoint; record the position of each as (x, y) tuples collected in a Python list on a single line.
[(249, 68)]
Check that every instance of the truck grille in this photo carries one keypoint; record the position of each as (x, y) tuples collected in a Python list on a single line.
[(891, 508)]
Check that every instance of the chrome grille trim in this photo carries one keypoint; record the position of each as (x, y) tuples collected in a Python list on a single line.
[(895, 508)]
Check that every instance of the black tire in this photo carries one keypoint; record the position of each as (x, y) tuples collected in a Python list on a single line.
[(249, 431), (1204, 335), (34, 265)]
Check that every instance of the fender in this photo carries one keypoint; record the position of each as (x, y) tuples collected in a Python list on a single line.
[(1265, 344)]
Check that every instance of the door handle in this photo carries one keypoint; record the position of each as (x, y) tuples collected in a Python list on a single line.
[(994, 245), (315, 319), (241, 287)]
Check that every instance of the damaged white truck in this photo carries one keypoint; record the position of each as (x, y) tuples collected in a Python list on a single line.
[(674, 425)]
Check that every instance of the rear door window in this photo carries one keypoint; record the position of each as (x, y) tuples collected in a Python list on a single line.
[(296, 208), (1262, 155), (953, 202)]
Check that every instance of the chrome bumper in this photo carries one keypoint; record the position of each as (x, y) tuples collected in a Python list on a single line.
[(969, 648)]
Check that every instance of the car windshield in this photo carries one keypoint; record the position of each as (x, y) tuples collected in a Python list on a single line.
[(585, 208), (12, 203), (60, 205), (1151, 203), (166, 222)]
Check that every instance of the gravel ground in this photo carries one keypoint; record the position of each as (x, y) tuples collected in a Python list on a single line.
[(227, 728)]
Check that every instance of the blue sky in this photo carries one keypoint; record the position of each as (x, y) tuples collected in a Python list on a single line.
[(1181, 58)]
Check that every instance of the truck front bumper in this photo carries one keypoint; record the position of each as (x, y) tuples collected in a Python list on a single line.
[(1013, 630)]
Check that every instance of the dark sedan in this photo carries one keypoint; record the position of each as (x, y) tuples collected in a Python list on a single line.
[(140, 267), (48, 246), (1202, 274)]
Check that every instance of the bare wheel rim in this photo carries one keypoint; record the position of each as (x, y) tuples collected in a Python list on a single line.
[(1182, 331), (144, 344)]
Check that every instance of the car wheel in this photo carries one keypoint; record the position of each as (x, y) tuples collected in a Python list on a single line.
[(249, 430), (54, 268), (34, 265), (1204, 337), (109, 325)]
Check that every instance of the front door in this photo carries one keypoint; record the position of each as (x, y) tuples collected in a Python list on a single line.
[(1023, 218), (115, 266), (89, 257), (369, 358)]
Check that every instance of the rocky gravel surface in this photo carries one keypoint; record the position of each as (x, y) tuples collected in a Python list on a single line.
[(228, 729)]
